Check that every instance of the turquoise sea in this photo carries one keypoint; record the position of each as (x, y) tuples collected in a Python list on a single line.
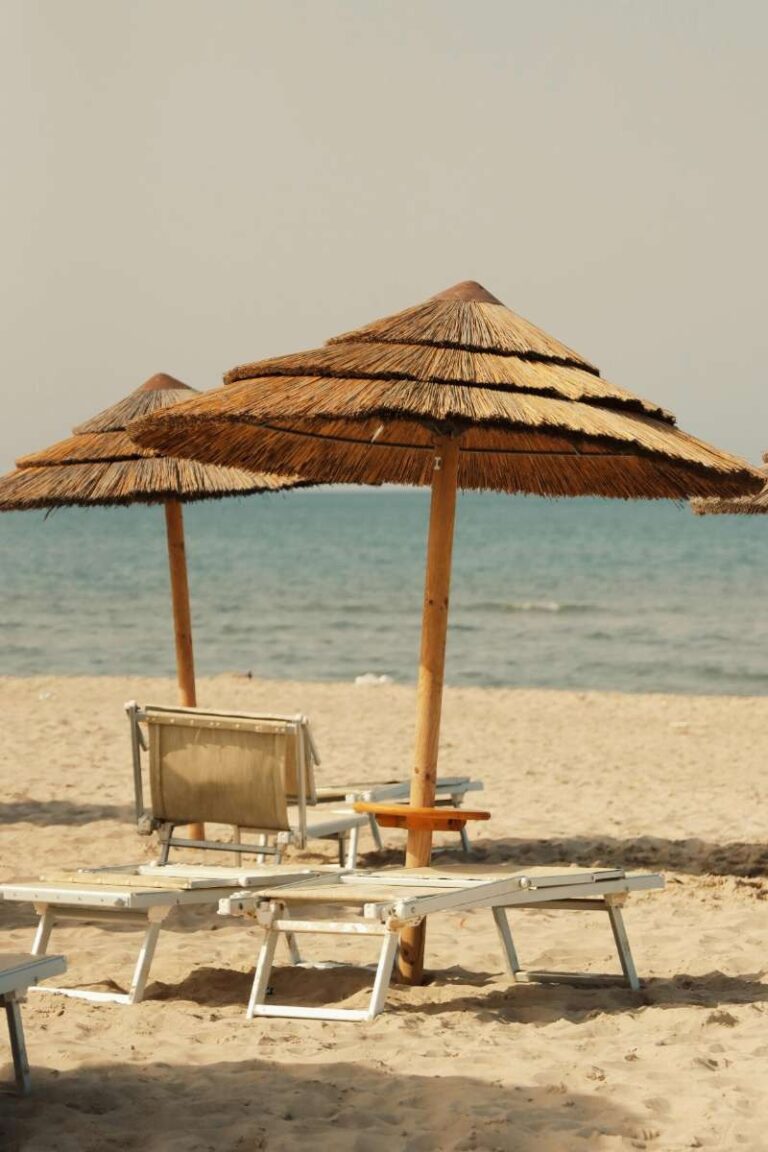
[(327, 585)]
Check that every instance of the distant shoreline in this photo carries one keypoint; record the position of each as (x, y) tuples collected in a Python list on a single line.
[(367, 691)]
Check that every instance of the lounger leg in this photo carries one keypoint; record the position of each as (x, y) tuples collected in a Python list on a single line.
[(465, 844), (43, 933), (146, 953), (507, 943), (290, 939), (18, 1047), (622, 943), (165, 843), (273, 928), (341, 841), (293, 948), (261, 840), (375, 831), (351, 860), (263, 969), (383, 973)]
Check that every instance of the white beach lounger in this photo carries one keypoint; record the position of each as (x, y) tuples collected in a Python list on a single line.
[(19, 972), (382, 903), (142, 897), (449, 790)]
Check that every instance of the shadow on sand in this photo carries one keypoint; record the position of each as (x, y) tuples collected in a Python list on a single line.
[(349, 1107), (45, 812), (214, 987), (692, 856)]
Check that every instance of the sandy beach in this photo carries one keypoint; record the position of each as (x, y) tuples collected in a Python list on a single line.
[(675, 783)]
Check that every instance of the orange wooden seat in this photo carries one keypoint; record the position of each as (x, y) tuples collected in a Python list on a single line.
[(404, 816)]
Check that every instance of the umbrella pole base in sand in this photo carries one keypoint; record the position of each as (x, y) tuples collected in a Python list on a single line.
[(442, 515), (182, 620)]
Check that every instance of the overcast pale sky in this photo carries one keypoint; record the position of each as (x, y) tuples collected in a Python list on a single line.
[(187, 184)]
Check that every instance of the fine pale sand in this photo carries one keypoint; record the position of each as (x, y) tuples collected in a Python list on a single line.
[(467, 1061)]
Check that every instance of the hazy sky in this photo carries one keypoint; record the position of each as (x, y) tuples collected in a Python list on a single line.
[(187, 184)]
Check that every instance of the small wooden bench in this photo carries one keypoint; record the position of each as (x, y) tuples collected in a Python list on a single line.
[(18, 970)]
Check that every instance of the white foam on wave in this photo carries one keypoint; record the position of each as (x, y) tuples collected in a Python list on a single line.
[(535, 606), (510, 606)]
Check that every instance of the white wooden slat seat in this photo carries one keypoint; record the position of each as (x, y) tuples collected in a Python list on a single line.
[(18, 972), (382, 903)]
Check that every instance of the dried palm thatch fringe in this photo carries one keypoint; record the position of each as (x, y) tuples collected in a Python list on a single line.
[(149, 481), (100, 464), (741, 506), (530, 414), (452, 366), (86, 448)]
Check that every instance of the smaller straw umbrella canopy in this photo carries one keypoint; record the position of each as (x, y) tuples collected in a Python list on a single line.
[(457, 392), (756, 505), (100, 465)]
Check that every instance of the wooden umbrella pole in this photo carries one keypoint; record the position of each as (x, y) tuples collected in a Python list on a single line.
[(182, 619), (442, 515)]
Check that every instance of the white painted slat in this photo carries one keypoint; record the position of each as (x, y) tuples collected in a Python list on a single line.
[(298, 1013), (20, 970), (329, 927)]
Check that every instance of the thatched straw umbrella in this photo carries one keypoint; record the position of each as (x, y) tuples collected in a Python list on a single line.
[(455, 392), (738, 505), (101, 465)]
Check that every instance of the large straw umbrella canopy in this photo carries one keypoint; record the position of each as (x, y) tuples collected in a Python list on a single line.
[(100, 465), (756, 505), (456, 392)]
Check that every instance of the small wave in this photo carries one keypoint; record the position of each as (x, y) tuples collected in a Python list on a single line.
[(511, 606)]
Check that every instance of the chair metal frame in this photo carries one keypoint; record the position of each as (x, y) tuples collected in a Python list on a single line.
[(268, 843), (582, 891)]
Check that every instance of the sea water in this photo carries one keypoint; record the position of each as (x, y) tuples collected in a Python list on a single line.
[(327, 584)]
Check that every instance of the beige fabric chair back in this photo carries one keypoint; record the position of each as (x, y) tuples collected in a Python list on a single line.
[(220, 769), (302, 748)]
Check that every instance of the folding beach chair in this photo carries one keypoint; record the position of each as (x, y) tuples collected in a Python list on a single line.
[(449, 791), (212, 768), (18, 972), (381, 903), (254, 772)]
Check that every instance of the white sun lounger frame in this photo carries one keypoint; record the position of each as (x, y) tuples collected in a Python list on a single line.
[(18, 973), (99, 896), (576, 891)]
